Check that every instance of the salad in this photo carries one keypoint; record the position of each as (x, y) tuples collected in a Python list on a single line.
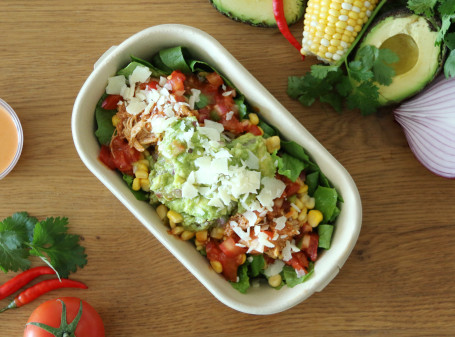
[(186, 141)]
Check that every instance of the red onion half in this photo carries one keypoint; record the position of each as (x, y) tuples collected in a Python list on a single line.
[(428, 121)]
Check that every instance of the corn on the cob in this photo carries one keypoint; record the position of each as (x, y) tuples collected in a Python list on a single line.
[(330, 26)]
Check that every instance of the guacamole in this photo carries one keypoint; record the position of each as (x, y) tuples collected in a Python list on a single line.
[(204, 175)]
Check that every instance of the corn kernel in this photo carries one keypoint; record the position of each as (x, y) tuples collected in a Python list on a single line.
[(145, 184), (174, 216), (141, 166), (217, 233), (273, 144), (254, 119), (314, 217), (161, 210), (141, 174), (172, 224), (187, 235), (310, 203), (136, 186), (115, 120), (303, 217), (275, 280), (177, 230), (217, 266), (303, 189), (201, 236)]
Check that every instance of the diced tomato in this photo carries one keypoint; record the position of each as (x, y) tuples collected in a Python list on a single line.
[(299, 261), (230, 248), (106, 157), (177, 79), (215, 80), (254, 129), (312, 250), (230, 264), (148, 85), (291, 186), (111, 102), (119, 156)]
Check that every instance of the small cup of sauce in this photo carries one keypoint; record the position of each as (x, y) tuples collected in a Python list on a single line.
[(11, 138)]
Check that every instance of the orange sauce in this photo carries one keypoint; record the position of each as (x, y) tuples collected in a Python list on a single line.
[(8, 139)]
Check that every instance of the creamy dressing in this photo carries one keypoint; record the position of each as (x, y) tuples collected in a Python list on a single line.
[(9, 139)]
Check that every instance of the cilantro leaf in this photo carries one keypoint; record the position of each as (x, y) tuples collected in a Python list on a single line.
[(422, 7), (449, 40), (365, 98), (321, 71), (449, 65), (358, 72), (447, 7), (50, 238), (383, 73), (13, 256)]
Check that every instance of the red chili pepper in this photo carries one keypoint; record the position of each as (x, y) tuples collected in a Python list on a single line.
[(32, 293), (20, 280), (278, 13)]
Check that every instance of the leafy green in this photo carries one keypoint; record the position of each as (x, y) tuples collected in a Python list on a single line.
[(325, 236), (203, 101), (290, 276), (244, 280), (257, 265), (22, 235), (422, 7), (139, 195), (449, 66), (174, 59), (289, 166), (103, 118), (326, 199)]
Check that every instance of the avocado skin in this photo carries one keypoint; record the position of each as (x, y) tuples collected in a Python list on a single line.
[(268, 20), (392, 16)]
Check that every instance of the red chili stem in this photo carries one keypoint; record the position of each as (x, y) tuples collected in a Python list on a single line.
[(278, 13), (22, 279), (32, 293)]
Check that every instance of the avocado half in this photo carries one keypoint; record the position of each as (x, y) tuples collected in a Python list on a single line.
[(259, 12), (413, 39)]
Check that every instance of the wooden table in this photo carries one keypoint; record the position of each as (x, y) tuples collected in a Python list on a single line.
[(398, 281)]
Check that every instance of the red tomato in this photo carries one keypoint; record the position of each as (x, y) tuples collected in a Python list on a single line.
[(148, 85), (110, 102), (215, 80), (230, 264), (106, 157), (177, 79), (299, 261), (312, 250), (229, 248), (119, 156), (123, 155), (254, 129), (49, 313)]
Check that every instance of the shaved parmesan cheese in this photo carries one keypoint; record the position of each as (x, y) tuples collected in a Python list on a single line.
[(252, 162), (280, 223), (229, 115), (274, 268), (140, 75), (135, 106), (251, 217), (115, 85), (273, 188)]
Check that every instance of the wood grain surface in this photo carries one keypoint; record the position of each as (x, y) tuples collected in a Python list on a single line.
[(399, 279)]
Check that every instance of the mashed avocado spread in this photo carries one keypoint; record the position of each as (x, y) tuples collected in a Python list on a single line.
[(205, 176)]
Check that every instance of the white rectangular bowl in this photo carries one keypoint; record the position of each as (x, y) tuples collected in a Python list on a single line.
[(260, 300)]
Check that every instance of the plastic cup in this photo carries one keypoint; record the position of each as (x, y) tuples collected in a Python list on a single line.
[(9, 158)]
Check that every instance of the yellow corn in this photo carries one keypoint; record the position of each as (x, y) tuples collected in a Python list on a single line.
[(201, 236), (141, 174), (217, 266), (275, 280), (314, 217), (273, 144), (217, 233), (115, 120), (174, 216), (330, 26), (177, 230), (140, 166), (254, 119), (145, 184), (136, 184), (187, 235), (161, 210)]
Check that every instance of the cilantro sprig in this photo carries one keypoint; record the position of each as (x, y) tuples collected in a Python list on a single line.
[(22, 236), (357, 86), (443, 11)]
